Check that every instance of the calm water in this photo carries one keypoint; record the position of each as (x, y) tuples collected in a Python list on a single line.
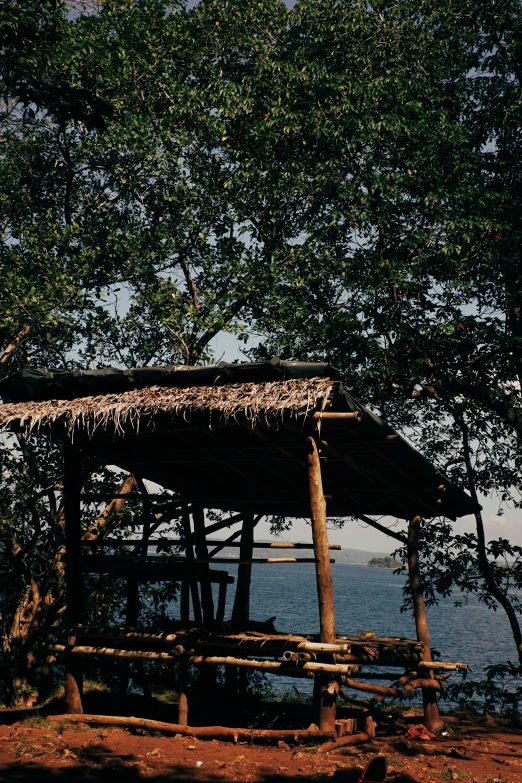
[(370, 599)]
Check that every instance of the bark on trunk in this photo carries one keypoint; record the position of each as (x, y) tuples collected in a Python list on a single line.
[(429, 698), (483, 562)]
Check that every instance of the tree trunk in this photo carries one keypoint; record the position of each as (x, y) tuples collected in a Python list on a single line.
[(429, 698), (483, 562), (73, 573)]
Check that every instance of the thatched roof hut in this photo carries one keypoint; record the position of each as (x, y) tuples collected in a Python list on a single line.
[(276, 437)]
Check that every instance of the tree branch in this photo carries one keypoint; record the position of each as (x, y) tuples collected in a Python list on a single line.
[(190, 282), (207, 336), (452, 387), (11, 348), (382, 528)]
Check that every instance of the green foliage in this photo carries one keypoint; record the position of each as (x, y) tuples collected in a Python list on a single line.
[(498, 693)]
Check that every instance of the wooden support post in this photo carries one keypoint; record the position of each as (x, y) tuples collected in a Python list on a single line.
[(184, 601), (241, 609), (73, 572), (133, 597), (131, 621), (207, 601), (432, 719), (189, 552), (206, 686), (222, 601), (323, 573)]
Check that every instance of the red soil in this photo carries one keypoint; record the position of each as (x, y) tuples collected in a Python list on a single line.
[(35, 751)]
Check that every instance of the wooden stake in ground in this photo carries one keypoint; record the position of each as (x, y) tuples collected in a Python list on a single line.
[(182, 694), (432, 719), (323, 573), (73, 571)]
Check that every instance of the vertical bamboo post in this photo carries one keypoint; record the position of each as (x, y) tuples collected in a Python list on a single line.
[(189, 553), (133, 597), (184, 601), (207, 676), (429, 697), (73, 572), (222, 601), (323, 574), (207, 601), (241, 608)]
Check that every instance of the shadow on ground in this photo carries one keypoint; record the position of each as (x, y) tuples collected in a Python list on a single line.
[(116, 770)]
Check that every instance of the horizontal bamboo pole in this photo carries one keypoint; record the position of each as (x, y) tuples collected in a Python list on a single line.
[(107, 497), (406, 691), (340, 650), (382, 660), (111, 652), (337, 416), (257, 560), (210, 542), (223, 733), (276, 667), (443, 666), (174, 561), (336, 647), (122, 633)]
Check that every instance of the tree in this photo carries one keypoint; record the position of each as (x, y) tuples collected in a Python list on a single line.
[(137, 203), (406, 120)]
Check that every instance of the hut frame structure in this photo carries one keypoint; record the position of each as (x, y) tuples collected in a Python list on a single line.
[(254, 439)]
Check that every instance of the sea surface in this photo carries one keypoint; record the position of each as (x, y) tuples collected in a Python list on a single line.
[(370, 599)]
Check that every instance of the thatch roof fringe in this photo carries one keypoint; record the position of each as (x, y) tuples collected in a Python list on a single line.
[(255, 401)]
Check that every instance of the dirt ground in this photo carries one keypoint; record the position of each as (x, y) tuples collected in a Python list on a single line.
[(35, 750)]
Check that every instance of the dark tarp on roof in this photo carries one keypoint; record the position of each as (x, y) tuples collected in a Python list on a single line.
[(53, 384)]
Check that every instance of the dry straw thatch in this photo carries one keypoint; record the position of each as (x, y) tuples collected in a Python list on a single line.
[(255, 402)]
